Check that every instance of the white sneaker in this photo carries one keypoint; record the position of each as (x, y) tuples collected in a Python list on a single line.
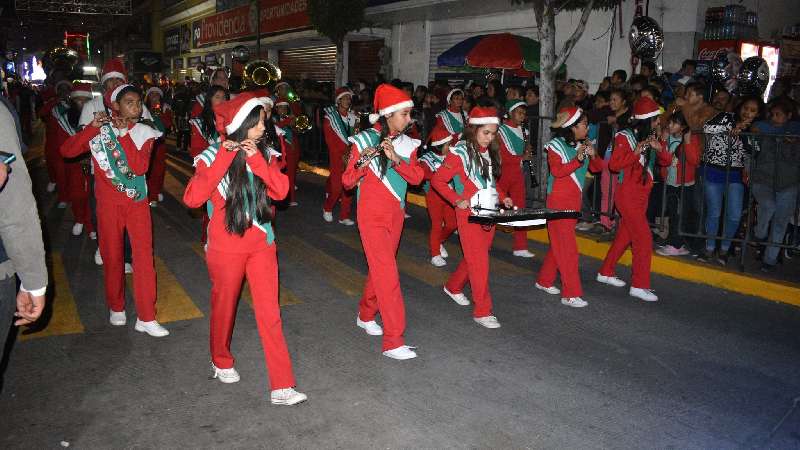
[(286, 396), (584, 226), (643, 294), (443, 251), (523, 253), (153, 204), (487, 321), (438, 261), (117, 319), (552, 290), (459, 298), (226, 376), (402, 352), (161, 197), (153, 328), (612, 280), (292, 204), (347, 222), (62, 205), (93, 235), (372, 328), (128, 268), (51, 187), (407, 215), (327, 216), (77, 229), (575, 302), (97, 258)]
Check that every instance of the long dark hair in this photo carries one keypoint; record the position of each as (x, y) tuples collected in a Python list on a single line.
[(207, 117), (240, 192), (383, 160), (568, 134), (471, 141), (642, 129)]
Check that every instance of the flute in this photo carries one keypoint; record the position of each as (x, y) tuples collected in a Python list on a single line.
[(366, 158)]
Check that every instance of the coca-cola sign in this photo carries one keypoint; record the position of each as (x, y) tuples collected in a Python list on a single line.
[(708, 50)]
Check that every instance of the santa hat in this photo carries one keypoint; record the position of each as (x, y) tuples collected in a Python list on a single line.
[(512, 105), (440, 136), (645, 108), (230, 115), (154, 89), (282, 101), (115, 93), (113, 68), (389, 99), (81, 90), (66, 82), (567, 117), (483, 115), (452, 93), (341, 92)]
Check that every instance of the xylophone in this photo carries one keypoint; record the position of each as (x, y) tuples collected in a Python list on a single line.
[(523, 217)]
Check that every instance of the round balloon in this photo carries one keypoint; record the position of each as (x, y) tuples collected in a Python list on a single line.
[(646, 38), (719, 68), (241, 53), (753, 76)]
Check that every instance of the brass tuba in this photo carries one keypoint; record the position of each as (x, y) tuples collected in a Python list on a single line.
[(260, 73)]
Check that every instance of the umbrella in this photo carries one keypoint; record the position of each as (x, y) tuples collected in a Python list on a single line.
[(494, 51)]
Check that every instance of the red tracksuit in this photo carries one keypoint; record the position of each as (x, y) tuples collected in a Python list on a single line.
[(232, 258), (117, 213), (197, 144), (476, 240), (380, 222), (512, 184), (333, 186), (158, 166), (442, 214), (562, 256), (55, 163), (454, 136), (631, 201), (78, 187)]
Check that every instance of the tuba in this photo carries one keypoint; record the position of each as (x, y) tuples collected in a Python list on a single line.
[(260, 73)]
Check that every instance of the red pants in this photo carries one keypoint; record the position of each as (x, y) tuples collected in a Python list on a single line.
[(56, 170), (112, 220), (227, 271), (78, 192), (335, 189), (158, 167), (608, 186), (443, 220), (632, 230), (292, 160), (474, 268), (514, 185), (380, 239)]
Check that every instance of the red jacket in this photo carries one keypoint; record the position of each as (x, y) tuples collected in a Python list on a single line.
[(54, 134), (566, 194), (624, 160), (687, 151), (451, 167)]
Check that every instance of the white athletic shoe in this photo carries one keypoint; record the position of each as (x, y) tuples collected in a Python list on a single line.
[(97, 258), (643, 294), (438, 261), (161, 197), (612, 280), (443, 251), (575, 302), (552, 290), (51, 187), (77, 229), (459, 298), (226, 376), (93, 235), (153, 328), (293, 204), (62, 205), (372, 328), (153, 204), (347, 222), (128, 268), (117, 319), (523, 253), (407, 215), (487, 321), (402, 352), (286, 396), (327, 216)]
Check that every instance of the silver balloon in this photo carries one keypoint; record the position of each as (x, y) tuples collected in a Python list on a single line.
[(753, 76), (646, 38), (719, 68), (241, 53)]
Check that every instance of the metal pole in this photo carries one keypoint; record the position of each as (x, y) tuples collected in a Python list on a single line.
[(258, 29)]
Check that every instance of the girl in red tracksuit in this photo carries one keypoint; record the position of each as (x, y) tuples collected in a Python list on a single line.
[(568, 159), (54, 138), (291, 157), (382, 184), (473, 165), (442, 214), (513, 148), (453, 117), (121, 152), (238, 177), (163, 119), (339, 125), (634, 157)]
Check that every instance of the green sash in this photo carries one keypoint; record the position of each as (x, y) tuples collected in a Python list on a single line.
[(472, 170), (59, 112), (208, 156), (513, 139), (404, 146), (452, 121), (113, 161), (567, 153), (198, 123), (159, 123), (632, 141), (433, 161), (342, 129)]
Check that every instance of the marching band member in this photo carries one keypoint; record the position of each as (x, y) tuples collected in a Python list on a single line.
[(473, 164), (50, 113), (163, 120), (121, 152), (453, 118), (568, 159), (114, 75), (219, 78), (442, 214), (513, 147), (339, 126), (238, 177), (382, 184), (292, 156), (634, 156), (77, 169)]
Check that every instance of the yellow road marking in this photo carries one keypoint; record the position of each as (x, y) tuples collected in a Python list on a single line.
[(340, 275), (65, 319), (173, 302)]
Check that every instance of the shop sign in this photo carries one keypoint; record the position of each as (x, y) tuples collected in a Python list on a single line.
[(186, 37), (276, 16), (708, 50), (172, 41)]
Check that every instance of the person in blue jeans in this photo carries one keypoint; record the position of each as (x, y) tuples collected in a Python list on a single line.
[(775, 178), (722, 173)]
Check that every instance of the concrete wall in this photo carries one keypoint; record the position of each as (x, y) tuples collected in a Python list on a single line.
[(410, 44)]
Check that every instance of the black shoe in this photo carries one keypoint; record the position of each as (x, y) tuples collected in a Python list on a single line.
[(704, 256), (767, 268), (722, 258)]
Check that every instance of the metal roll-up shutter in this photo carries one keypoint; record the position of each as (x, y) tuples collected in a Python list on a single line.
[(311, 63), (363, 59)]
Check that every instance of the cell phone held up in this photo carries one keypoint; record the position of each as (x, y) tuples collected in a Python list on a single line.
[(7, 158)]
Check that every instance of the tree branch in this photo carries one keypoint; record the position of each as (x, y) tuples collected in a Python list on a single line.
[(576, 35)]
